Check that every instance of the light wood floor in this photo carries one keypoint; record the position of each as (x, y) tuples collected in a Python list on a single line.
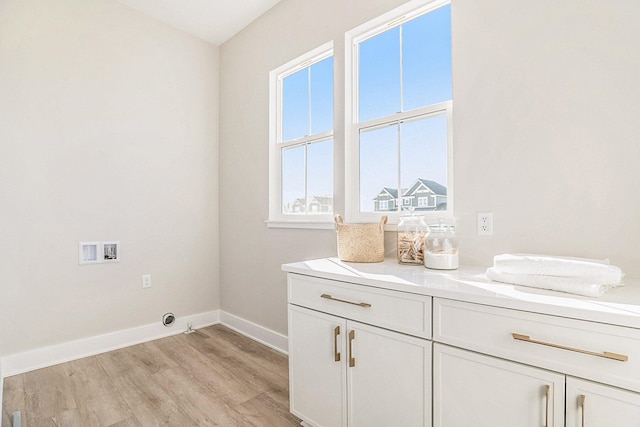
[(214, 377)]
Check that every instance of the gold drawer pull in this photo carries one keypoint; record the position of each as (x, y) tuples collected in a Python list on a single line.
[(546, 405), (360, 304), (352, 360), (606, 354), (582, 399), (336, 353)]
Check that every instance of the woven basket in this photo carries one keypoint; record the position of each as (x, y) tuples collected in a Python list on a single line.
[(360, 242)]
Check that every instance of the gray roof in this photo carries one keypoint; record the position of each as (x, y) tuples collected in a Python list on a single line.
[(437, 188), (392, 191)]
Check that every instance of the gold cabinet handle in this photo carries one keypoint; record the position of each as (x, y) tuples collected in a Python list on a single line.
[(336, 353), (352, 360), (582, 399), (606, 354), (360, 304), (546, 405)]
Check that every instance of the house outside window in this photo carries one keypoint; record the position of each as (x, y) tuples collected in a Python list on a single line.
[(301, 138), (399, 111)]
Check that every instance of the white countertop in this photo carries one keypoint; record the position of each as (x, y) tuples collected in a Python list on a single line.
[(620, 306)]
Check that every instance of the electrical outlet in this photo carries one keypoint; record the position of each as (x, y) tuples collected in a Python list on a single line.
[(146, 281), (485, 223)]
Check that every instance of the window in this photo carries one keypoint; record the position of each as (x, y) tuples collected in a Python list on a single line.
[(397, 122), (399, 104), (301, 140)]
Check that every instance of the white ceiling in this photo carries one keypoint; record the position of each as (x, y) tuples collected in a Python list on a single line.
[(215, 21)]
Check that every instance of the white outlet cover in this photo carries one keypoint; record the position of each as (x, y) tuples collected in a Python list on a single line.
[(146, 281), (485, 223)]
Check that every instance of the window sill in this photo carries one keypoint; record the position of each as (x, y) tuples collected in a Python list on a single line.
[(304, 224)]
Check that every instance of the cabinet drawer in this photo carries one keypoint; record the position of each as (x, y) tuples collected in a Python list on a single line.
[(600, 352), (398, 311)]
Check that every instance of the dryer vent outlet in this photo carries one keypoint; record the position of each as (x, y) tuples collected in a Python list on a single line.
[(168, 319)]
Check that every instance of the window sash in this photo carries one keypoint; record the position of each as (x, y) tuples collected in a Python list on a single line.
[(352, 160), (353, 128), (276, 145)]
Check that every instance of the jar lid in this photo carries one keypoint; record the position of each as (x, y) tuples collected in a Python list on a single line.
[(442, 228), (412, 216)]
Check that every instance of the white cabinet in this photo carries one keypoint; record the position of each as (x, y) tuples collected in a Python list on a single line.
[(317, 375), (604, 353), (389, 383), (344, 372), (482, 391), (496, 362), (591, 404)]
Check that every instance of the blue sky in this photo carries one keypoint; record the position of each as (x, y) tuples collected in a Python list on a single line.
[(387, 85)]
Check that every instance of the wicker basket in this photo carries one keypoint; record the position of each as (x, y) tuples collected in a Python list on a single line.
[(360, 242)]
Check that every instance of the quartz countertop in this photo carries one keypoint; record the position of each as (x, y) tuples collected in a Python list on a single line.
[(619, 306)]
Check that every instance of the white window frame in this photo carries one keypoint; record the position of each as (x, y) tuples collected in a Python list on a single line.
[(277, 218), (372, 28)]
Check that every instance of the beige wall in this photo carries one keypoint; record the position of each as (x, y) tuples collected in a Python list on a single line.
[(546, 135), (252, 285), (546, 103), (108, 131)]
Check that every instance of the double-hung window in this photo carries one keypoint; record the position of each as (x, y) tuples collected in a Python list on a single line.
[(397, 121), (399, 112), (301, 140)]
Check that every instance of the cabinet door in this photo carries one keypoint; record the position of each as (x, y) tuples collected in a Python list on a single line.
[(591, 404), (389, 378), (317, 381), (471, 389)]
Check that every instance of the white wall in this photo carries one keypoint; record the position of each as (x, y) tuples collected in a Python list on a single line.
[(546, 103), (108, 131)]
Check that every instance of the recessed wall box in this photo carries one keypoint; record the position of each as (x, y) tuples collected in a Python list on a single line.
[(88, 252), (111, 251), (98, 252)]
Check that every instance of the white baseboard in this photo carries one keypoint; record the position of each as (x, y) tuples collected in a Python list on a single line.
[(14, 364), (275, 340), (43, 357)]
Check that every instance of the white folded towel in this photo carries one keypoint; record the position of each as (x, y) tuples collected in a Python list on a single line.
[(573, 285), (594, 271), (580, 276)]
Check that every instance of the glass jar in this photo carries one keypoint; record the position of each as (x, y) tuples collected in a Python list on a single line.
[(411, 232), (441, 247)]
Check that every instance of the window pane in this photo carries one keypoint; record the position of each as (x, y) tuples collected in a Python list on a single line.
[(320, 177), (295, 108), (293, 180), (322, 96), (379, 75), (426, 59), (423, 160), (378, 169)]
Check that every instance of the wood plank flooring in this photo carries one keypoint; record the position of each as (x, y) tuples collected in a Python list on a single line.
[(213, 377)]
